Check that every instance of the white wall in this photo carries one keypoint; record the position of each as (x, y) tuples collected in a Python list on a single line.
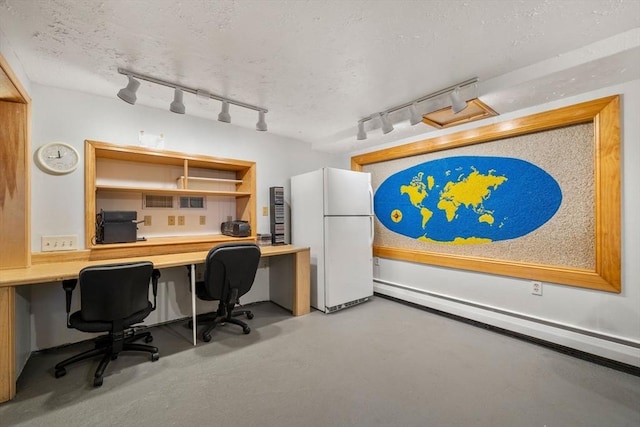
[(601, 323), (58, 201), (9, 55)]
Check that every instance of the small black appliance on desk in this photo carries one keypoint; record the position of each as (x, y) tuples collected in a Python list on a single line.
[(116, 227), (236, 228)]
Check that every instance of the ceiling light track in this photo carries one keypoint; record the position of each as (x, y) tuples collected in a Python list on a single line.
[(128, 94), (457, 103)]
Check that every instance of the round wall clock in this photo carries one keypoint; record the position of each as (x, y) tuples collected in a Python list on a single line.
[(57, 158)]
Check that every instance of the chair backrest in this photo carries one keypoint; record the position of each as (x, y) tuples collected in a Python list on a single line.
[(115, 291), (230, 265)]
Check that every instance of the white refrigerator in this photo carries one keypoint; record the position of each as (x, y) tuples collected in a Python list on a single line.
[(332, 213)]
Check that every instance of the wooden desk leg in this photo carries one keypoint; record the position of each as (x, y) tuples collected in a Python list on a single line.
[(7, 343), (302, 285), (193, 302)]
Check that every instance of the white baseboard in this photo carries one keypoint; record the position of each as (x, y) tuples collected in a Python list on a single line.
[(612, 348)]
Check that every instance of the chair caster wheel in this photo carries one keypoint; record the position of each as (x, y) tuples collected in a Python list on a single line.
[(97, 382), (249, 316), (155, 357), (148, 339), (206, 337), (246, 330), (61, 372)]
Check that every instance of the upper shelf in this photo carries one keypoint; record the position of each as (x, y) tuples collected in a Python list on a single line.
[(175, 191), (164, 157)]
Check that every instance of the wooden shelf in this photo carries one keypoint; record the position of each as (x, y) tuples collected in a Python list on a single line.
[(201, 179), (121, 168), (171, 191), (162, 245)]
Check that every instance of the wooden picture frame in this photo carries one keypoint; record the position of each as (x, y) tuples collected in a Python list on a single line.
[(604, 113)]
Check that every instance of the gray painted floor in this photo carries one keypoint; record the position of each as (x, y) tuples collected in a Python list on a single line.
[(381, 363)]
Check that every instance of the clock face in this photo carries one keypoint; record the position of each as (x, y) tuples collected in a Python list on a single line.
[(57, 158)]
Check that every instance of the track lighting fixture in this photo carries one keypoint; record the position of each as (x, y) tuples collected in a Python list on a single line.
[(128, 94), (386, 124), (262, 124), (224, 115), (414, 117), (361, 133), (177, 105), (457, 104)]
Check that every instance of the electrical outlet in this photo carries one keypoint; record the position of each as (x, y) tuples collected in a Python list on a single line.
[(181, 220), (203, 220), (265, 211), (536, 288), (59, 243), (376, 260), (171, 220), (147, 220)]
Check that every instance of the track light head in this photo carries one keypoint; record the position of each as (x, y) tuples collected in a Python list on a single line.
[(386, 124), (128, 94), (415, 118), (224, 115), (457, 103), (177, 106), (361, 132), (262, 124)]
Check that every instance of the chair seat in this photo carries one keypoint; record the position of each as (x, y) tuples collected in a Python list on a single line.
[(77, 322)]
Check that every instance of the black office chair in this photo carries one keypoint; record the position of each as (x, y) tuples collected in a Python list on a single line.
[(230, 269), (113, 298)]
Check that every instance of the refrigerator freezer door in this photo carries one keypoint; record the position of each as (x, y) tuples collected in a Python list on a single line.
[(348, 259), (347, 192)]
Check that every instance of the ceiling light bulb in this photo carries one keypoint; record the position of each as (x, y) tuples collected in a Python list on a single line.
[(457, 103), (415, 118), (262, 124), (361, 133), (128, 94), (386, 124), (177, 106), (224, 115)]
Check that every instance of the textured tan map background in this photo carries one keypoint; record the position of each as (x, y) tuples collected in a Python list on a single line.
[(567, 239)]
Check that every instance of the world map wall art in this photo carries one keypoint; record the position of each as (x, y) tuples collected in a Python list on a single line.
[(467, 200), (535, 197)]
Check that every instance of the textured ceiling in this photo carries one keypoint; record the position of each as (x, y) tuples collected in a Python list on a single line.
[(319, 66)]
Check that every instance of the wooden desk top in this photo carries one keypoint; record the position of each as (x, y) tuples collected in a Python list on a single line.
[(54, 272)]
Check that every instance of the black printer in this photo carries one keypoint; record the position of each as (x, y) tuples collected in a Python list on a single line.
[(116, 227)]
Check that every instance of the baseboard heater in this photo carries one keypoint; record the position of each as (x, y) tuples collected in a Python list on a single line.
[(602, 360)]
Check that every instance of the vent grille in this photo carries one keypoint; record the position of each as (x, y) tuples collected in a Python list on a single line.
[(346, 305), (192, 202), (157, 201)]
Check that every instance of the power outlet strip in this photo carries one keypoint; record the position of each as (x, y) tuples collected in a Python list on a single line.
[(59, 243)]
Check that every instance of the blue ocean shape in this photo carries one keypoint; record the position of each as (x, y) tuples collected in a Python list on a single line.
[(468, 200)]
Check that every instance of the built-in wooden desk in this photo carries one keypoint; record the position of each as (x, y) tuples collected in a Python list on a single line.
[(58, 271)]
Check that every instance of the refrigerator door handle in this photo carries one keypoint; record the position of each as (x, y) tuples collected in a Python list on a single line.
[(371, 199), (371, 238)]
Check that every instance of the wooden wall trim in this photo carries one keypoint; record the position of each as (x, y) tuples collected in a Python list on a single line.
[(10, 87), (15, 178), (7, 344)]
